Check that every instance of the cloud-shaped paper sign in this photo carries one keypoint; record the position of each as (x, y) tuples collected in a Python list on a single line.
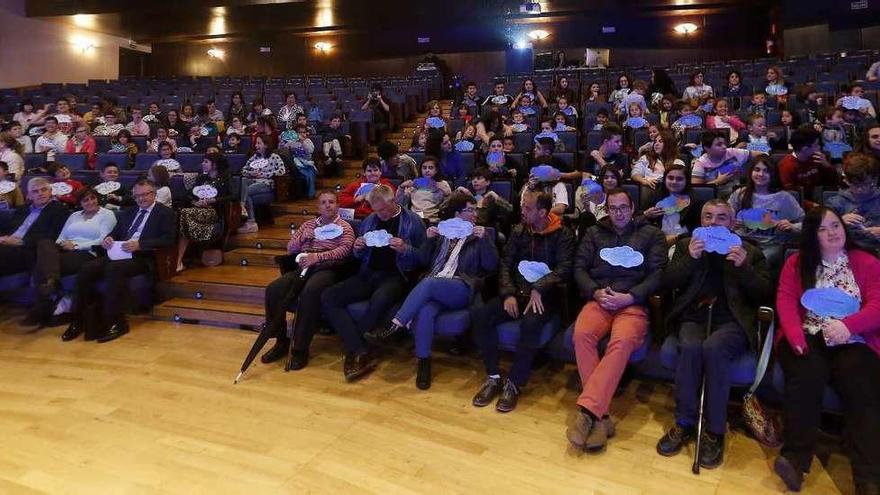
[(455, 228), (759, 146), (757, 218), (61, 188), (624, 256), (533, 271), (829, 302), (327, 232), (495, 157), (7, 186), (697, 151), (718, 239), (105, 188), (730, 166), (469, 102), (552, 135), (464, 146), (364, 188), (527, 110), (520, 127), (568, 111), (635, 122), (499, 99), (377, 238), (692, 120), (854, 102), (259, 163), (423, 183), (560, 127), (673, 204), (591, 187), (546, 173), (435, 122), (170, 164), (205, 191), (837, 149)]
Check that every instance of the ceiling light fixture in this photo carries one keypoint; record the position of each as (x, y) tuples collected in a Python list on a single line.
[(685, 28), (538, 34), (323, 46), (216, 53)]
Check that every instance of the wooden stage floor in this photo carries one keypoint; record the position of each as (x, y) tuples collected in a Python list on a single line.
[(156, 412)]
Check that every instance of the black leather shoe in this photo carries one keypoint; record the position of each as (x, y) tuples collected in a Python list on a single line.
[(385, 336), (488, 391), (509, 396), (278, 351), (711, 450), (73, 331), (423, 374), (789, 473), (114, 332), (674, 440), (299, 360), (358, 364)]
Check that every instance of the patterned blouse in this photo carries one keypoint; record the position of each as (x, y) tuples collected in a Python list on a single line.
[(263, 169), (835, 274)]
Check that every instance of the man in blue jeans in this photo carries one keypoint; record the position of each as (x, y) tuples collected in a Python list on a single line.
[(382, 279), (531, 296)]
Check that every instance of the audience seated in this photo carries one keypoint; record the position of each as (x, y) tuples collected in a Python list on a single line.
[(319, 250), (64, 188), (424, 195), (10, 192), (680, 221), (731, 286), (859, 204), (609, 152), (202, 220), (807, 167), (492, 210), (161, 179), (384, 275), (258, 177), (82, 142), (540, 238), (11, 154), (41, 219), (720, 165), (349, 197), (617, 288), (458, 267), (52, 141), (131, 246), (816, 351)]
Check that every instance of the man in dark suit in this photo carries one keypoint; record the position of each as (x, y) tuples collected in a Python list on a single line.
[(38, 222), (139, 232)]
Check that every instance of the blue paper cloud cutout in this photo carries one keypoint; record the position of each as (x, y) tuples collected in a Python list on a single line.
[(624, 256), (546, 173), (377, 238), (718, 239), (533, 271), (455, 228), (829, 302), (327, 232)]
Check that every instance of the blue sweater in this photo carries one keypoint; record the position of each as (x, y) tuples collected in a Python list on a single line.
[(412, 231)]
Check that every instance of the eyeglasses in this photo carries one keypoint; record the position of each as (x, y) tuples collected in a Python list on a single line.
[(143, 195), (619, 210)]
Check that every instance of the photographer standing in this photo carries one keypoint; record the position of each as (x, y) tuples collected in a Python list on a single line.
[(381, 111)]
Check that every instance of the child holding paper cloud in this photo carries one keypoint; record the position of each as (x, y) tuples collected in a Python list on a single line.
[(591, 195), (649, 169), (425, 194), (460, 255), (354, 195), (859, 203), (678, 212), (492, 209), (842, 351), (720, 166)]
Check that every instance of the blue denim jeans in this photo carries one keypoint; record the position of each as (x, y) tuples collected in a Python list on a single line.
[(425, 301)]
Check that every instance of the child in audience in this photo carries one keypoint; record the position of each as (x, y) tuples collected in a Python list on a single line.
[(111, 194), (601, 119), (758, 105), (722, 119), (467, 133), (301, 150), (859, 204), (835, 138), (236, 126), (492, 210), (518, 122), (634, 117), (590, 208), (496, 161), (667, 112), (509, 145), (649, 169), (123, 144), (470, 101), (349, 197), (233, 145), (687, 119), (636, 96), (333, 137), (620, 91), (562, 123), (653, 132), (856, 99), (167, 158), (464, 113), (757, 139), (12, 198), (552, 186), (783, 214), (61, 174), (159, 175), (567, 110), (527, 107), (720, 165), (609, 152), (161, 137), (420, 139), (137, 126), (425, 194), (676, 224), (109, 127), (807, 167), (790, 121)]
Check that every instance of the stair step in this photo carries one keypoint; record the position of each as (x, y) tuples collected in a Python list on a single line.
[(269, 237), (221, 283), (253, 256), (217, 313)]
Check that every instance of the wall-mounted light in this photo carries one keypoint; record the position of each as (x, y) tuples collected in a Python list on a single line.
[(685, 28), (82, 44), (323, 46), (538, 34), (216, 53), (521, 45)]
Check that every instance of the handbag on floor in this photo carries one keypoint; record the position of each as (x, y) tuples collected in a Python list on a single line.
[(762, 425)]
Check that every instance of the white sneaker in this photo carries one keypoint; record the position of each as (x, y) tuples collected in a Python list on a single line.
[(63, 306), (248, 228)]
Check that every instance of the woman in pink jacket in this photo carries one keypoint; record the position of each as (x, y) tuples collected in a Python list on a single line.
[(721, 118), (836, 342)]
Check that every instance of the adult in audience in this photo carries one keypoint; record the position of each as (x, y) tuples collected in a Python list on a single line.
[(52, 141), (697, 91), (735, 89), (161, 179), (458, 268), (499, 99), (869, 143), (621, 89), (617, 268), (174, 125), (563, 89), (807, 167), (140, 231), (11, 153), (859, 203), (40, 219), (257, 177), (540, 238), (324, 245), (384, 274), (75, 245), (63, 112), (776, 85), (203, 219), (82, 142), (816, 350), (236, 108), (661, 85), (873, 73), (160, 136), (530, 89), (12, 198), (353, 197), (375, 101), (17, 132), (28, 115), (394, 165), (732, 286), (288, 112), (492, 126)]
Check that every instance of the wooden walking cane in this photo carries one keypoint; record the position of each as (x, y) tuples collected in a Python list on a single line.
[(696, 467)]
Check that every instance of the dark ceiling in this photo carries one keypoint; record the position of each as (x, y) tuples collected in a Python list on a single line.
[(160, 21)]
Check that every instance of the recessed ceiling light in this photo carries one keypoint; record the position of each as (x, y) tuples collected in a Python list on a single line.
[(538, 34), (685, 28)]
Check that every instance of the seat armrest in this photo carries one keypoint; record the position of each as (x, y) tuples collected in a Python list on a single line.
[(166, 262)]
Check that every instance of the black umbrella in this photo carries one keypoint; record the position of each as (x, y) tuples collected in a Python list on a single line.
[(262, 338)]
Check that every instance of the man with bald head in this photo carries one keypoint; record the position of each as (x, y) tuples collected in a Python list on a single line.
[(733, 285)]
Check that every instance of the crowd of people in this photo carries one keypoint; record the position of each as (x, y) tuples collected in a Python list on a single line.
[(418, 236)]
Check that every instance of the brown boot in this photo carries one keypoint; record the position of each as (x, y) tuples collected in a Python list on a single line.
[(599, 435), (578, 432)]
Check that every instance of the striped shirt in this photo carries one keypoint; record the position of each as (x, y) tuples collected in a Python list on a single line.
[(338, 249)]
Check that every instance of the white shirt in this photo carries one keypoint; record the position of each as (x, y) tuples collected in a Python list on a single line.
[(51, 144), (137, 233), (86, 233), (163, 195), (15, 163)]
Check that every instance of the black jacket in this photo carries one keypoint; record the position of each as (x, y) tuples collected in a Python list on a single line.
[(746, 287), (554, 246), (47, 226), (476, 261), (591, 272), (159, 231)]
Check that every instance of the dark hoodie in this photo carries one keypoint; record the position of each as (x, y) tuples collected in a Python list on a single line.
[(868, 207), (592, 272), (553, 246)]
